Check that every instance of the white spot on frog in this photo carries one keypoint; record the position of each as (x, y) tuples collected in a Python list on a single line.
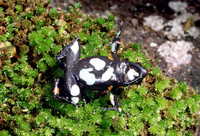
[(114, 77), (75, 47), (97, 63), (122, 67), (75, 100), (88, 77), (112, 99), (132, 74), (75, 90), (108, 74)]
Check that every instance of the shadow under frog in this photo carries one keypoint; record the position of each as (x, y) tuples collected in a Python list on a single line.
[(98, 72)]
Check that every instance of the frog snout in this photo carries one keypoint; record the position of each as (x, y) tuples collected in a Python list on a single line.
[(143, 72)]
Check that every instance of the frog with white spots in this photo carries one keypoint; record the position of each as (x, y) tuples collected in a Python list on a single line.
[(98, 72)]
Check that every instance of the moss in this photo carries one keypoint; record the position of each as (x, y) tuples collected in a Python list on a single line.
[(159, 106), (4, 133)]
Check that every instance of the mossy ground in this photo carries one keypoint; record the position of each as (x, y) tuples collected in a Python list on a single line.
[(31, 35)]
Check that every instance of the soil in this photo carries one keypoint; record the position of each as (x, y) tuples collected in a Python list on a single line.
[(130, 16)]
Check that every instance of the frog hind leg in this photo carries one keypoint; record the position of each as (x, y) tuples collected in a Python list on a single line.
[(115, 45)]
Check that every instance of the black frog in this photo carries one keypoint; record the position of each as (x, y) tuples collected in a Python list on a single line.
[(98, 72)]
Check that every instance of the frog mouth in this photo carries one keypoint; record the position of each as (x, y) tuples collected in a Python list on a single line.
[(136, 81)]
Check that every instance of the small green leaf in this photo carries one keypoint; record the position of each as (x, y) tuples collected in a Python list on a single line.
[(142, 90), (161, 85), (119, 123), (41, 65), (156, 71), (176, 93), (77, 5), (162, 102), (172, 132), (156, 129), (4, 133), (40, 10), (100, 20), (193, 106), (53, 13), (19, 8), (136, 47)]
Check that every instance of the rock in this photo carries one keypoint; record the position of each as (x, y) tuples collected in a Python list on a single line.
[(152, 44), (194, 32), (178, 6), (176, 53), (154, 22)]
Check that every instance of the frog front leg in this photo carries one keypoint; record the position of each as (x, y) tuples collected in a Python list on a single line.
[(114, 98), (57, 91), (67, 90), (114, 102)]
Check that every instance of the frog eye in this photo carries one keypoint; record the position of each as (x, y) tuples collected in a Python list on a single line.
[(135, 73), (139, 69), (132, 74)]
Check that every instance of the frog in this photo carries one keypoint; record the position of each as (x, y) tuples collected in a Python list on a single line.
[(95, 73)]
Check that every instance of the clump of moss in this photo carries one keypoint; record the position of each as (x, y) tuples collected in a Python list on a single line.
[(160, 106)]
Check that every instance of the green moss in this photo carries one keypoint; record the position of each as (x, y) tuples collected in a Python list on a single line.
[(159, 106), (19, 8), (161, 85), (4, 133), (53, 13)]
